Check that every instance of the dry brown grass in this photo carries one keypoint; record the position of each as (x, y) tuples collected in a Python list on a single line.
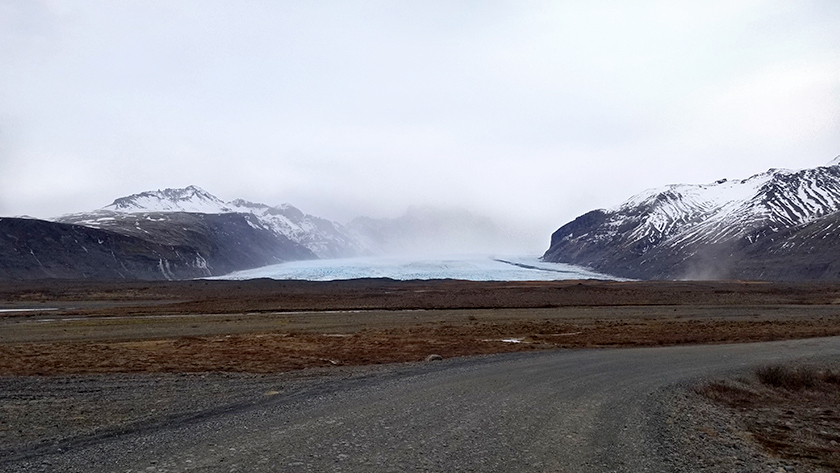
[(270, 326), (792, 411), (294, 345)]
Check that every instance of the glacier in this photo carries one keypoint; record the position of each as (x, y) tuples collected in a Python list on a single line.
[(464, 267)]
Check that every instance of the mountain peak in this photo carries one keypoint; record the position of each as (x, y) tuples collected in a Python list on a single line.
[(834, 162), (187, 199), (324, 238)]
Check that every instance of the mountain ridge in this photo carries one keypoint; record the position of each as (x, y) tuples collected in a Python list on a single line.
[(420, 229), (200, 245), (324, 238), (712, 230)]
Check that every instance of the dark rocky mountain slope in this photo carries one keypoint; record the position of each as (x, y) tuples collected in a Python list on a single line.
[(198, 245), (778, 225)]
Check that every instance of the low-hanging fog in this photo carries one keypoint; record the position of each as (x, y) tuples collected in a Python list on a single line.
[(530, 113)]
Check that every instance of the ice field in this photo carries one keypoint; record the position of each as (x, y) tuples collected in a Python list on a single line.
[(473, 268)]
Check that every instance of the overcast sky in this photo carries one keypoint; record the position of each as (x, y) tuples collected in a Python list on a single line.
[(528, 112)]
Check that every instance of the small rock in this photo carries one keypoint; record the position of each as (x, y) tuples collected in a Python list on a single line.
[(434, 357)]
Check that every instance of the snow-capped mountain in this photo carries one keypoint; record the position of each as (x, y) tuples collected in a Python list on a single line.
[(729, 228), (189, 199), (188, 232), (324, 238), (422, 229)]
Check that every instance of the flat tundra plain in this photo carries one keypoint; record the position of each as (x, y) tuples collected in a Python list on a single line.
[(266, 326)]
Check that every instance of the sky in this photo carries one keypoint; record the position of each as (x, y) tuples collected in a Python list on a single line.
[(529, 112)]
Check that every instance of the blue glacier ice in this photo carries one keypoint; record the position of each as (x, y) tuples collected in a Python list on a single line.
[(472, 268)]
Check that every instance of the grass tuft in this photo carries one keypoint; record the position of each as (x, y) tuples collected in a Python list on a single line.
[(794, 379)]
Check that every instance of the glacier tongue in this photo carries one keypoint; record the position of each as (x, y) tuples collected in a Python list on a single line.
[(469, 267)]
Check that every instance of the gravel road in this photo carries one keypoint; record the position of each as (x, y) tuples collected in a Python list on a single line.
[(563, 411)]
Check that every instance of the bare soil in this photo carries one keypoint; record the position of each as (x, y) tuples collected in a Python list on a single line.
[(266, 326)]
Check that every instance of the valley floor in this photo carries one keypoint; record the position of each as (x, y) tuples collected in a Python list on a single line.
[(112, 359), (265, 326)]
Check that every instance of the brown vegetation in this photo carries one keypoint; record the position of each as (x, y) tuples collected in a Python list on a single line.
[(270, 326), (792, 411)]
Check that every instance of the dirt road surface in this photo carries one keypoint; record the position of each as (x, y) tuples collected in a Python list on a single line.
[(563, 411)]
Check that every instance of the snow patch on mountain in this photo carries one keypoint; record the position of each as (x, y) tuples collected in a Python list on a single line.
[(728, 209), (189, 199)]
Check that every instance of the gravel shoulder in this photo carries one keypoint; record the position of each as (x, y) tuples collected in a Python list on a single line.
[(707, 437)]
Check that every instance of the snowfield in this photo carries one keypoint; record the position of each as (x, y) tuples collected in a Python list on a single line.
[(472, 268)]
